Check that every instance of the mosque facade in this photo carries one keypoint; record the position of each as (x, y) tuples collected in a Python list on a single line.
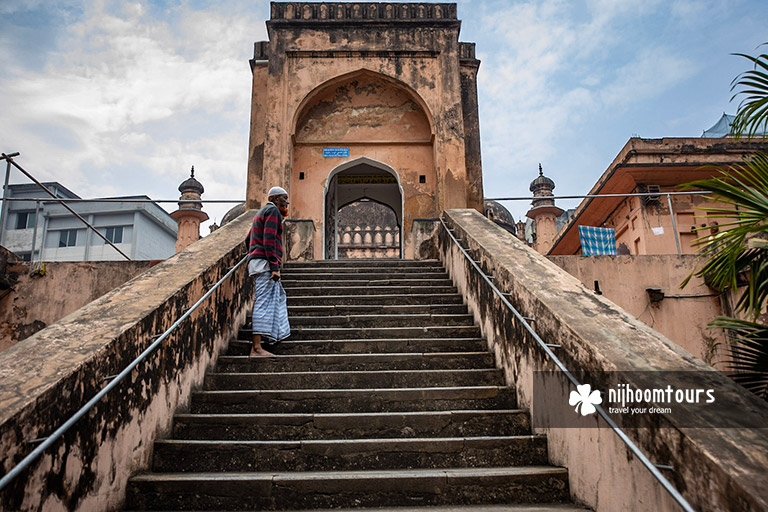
[(372, 102)]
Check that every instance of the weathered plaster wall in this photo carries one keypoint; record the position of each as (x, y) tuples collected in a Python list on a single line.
[(47, 377), (298, 236), (255, 191), (425, 239), (469, 66), (683, 314), (647, 228), (427, 75), (715, 468), (37, 301)]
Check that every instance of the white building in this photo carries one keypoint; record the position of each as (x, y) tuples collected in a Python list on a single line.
[(143, 231)]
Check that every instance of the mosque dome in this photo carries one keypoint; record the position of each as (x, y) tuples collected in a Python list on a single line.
[(191, 184), (541, 182), (500, 215)]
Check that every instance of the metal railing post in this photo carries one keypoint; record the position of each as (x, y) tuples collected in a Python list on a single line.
[(4, 213), (674, 224), (34, 235)]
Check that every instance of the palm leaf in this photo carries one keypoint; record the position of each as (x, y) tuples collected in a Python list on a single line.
[(752, 113), (748, 359)]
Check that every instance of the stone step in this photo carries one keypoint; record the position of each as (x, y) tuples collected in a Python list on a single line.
[(302, 333), (376, 309), (177, 456), (353, 400), (326, 275), (539, 507), (283, 490), (341, 333), (351, 425), (373, 379), (363, 263), (351, 362), (542, 507), (366, 346), (347, 270), (327, 289), (402, 320), (290, 284), (384, 299)]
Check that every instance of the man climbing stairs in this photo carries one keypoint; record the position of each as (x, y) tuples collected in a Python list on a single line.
[(384, 396)]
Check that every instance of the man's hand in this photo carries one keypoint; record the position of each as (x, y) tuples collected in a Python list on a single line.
[(275, 276)]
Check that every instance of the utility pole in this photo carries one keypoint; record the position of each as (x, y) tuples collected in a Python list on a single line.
[(4, 213)]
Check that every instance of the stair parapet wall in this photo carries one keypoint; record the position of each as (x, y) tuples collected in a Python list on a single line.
[(715, 468), (50, 375)]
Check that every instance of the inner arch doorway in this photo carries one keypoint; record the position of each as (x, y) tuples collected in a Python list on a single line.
[(370, 226)]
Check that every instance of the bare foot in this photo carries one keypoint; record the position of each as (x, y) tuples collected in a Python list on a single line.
[(259, 352)]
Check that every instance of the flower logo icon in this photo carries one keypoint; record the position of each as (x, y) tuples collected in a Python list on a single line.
[(587, 398)]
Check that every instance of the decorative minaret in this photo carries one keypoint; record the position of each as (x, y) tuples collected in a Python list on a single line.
[(189, 215), (543, 212)]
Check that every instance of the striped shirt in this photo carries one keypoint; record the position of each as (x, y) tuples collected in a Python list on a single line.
[(265, 240)]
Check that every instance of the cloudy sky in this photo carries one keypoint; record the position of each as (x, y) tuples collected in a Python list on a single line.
[(122, 98)]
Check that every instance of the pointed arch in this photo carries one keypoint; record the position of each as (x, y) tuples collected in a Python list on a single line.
[(331, 191), (308, 101)]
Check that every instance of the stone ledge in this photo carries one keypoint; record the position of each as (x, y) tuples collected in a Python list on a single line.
[(715, 468)]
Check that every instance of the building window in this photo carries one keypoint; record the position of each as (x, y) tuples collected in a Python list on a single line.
[(115, 235), (25, 220), (68, 238)]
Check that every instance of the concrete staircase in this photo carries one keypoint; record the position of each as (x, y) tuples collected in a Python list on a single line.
[(384, 396)]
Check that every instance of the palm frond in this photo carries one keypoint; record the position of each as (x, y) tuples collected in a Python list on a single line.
[(748, 359), (752, 85)]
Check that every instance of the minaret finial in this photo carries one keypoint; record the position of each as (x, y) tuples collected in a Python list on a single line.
[(541, 173), (193, 170)]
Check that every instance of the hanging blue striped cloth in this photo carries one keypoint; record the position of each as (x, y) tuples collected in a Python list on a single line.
[(596, 240), (270, 311)]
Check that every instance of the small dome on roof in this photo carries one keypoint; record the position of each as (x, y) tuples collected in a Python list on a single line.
[(499, 212), (500, 215), (191, 184), (541, 182), (233, 213)]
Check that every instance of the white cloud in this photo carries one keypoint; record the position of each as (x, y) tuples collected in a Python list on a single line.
[(119, 74), (650, 73)]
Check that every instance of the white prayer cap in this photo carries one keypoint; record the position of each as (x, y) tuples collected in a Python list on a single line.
[(277, 191)]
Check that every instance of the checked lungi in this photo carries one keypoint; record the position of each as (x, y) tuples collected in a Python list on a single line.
[(270, 312)]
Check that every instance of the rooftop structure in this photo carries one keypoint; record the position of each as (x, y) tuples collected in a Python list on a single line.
[(141, 230)]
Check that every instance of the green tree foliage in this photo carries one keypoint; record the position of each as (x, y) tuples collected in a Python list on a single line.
[(752, 115)]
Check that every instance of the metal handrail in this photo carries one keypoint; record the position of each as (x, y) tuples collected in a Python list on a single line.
[(600, 196), (654, 470), (48, 441), (117, 200)]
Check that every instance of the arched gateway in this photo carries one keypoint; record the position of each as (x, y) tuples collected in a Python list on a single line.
[(365, 106), (377, 184)]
